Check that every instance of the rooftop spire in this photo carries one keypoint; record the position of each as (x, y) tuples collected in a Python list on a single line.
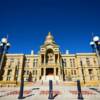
[(49, 33)]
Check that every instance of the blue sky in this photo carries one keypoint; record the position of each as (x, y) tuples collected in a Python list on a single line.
[(71, 22)]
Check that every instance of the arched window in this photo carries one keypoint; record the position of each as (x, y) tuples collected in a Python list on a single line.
[(49, 56)]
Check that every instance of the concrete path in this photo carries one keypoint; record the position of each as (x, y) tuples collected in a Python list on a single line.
[(40, 92)]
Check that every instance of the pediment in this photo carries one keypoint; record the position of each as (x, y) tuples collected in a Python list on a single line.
[(49, 46)]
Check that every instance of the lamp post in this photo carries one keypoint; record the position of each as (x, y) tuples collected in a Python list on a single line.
[(81, 63), (16, 73), (21, 91), (4, 46), (95, 44)]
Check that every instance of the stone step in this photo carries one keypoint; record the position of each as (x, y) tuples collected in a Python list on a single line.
[(50, 77)]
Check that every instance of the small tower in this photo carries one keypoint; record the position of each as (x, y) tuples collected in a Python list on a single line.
[(67, 52), (32, 52)]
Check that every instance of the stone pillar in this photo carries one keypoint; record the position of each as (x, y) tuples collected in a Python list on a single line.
[(19, 74), (41, 58), (44, 59), (59, 73), (13, 72), (38, 74), (44, 73), (94, 74), (54, 72), (58, 59), (54, 57), (5, 75)]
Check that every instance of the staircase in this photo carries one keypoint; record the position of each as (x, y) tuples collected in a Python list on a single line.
[(50, 77)]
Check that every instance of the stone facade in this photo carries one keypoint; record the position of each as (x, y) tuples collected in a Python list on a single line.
[(51, 62)]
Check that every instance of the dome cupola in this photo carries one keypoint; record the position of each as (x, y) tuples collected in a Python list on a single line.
[(49, 39)]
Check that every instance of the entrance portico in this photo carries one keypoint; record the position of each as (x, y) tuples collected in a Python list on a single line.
[(49, 74), (50, 59), (49, 71)]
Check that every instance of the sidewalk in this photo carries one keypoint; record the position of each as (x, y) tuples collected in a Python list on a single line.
[(41, 93)]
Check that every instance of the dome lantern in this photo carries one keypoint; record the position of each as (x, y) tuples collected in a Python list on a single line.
[(49, 39)]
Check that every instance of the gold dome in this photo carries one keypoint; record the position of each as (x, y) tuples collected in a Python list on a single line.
[(49, 39)]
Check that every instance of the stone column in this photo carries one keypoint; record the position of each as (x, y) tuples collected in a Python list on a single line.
[(44, 73), (41, 58), (38, 74), (59, 73), (54, 72), (44, 59), (5, 75), (54, 57), (94, 74), (19, 74), (13, 72), (58, 59)]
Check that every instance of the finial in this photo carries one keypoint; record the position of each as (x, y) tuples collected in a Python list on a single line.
[(32, 52), (67, 51), (49, 33)]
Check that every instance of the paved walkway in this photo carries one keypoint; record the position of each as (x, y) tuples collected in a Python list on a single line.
[(60, 92)]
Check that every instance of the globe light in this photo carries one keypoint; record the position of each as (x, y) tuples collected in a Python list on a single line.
[(91, 43), (96, 39), (1, 44), (4, 40), (8, 44)]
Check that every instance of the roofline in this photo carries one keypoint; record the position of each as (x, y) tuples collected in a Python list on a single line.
[(79, 54), (15, 54)]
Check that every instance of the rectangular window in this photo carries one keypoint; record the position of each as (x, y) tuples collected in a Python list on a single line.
[(90, 71), (27, 64), (94, 60), (72, 62), (42, 58), (81, 63), (91, 74), (28, 60), (33, 72), (8, 78), (35, 62), (74, 72), (27, 72), (9, 72), (64, 63), (66, 72), (88, 61)]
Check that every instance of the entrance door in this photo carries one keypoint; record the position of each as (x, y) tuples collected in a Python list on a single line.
[(49, 71)]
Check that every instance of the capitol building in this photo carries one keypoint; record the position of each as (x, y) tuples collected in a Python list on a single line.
[(50, 63)]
